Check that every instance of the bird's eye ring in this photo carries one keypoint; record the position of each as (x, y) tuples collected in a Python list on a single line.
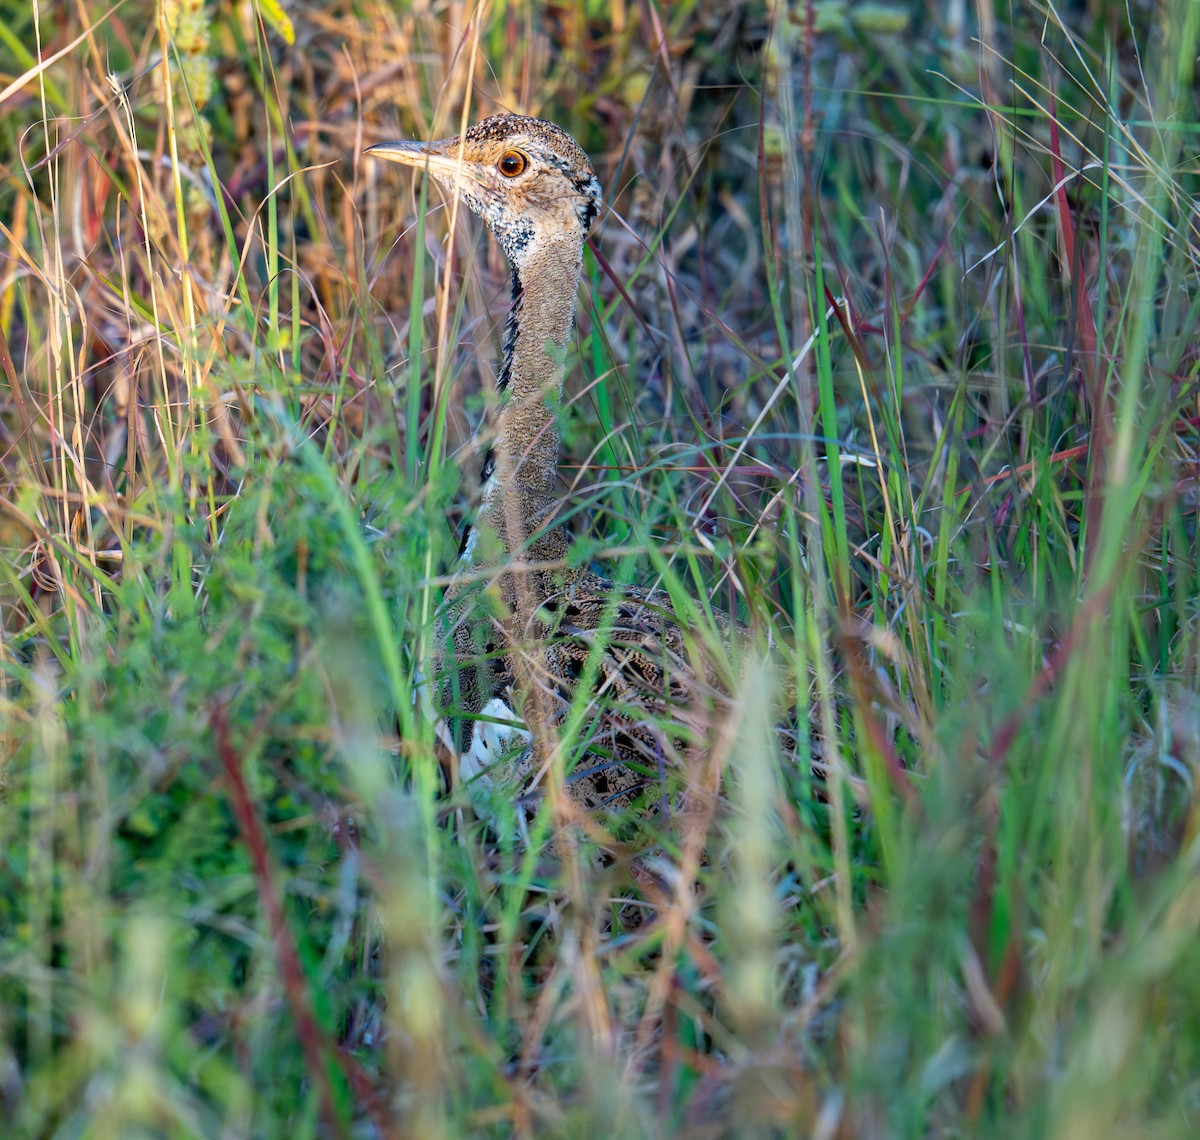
[(512, 163)]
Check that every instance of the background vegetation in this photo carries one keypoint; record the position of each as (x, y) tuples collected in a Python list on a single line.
[(888, 344)]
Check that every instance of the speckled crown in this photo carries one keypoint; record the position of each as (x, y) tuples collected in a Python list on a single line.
[(504, 126)]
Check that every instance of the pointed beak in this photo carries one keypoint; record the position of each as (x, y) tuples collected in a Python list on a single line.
[(441, 158), (408, 153)]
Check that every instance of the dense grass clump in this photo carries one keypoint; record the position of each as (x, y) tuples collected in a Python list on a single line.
[(887, 345)]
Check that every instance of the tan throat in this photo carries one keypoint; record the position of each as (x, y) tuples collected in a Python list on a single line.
[(520, 474)]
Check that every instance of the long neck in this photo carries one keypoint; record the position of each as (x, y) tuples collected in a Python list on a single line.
[(521, 471), (535, 347)]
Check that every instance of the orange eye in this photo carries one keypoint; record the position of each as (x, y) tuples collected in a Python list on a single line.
[(512, 163)]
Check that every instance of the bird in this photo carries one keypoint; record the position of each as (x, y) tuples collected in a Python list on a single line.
[(516, 651)]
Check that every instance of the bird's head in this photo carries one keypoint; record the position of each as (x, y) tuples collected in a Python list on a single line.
[(528, 179)]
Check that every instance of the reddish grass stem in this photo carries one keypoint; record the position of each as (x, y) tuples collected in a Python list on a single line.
[(290, 970)]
